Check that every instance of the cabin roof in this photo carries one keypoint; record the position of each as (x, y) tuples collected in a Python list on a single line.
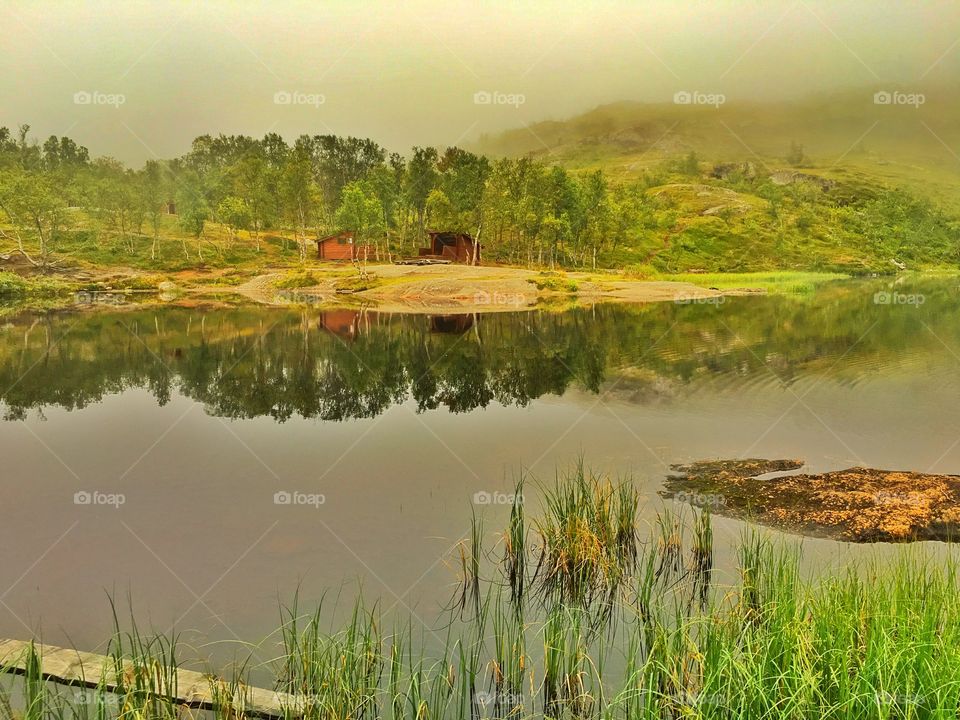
[(431, 233), (336, 236)]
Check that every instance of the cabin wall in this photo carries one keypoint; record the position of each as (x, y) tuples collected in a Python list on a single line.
[(332, 250), (460, 251)]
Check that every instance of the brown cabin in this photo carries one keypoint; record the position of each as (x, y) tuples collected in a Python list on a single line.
[(340, 246), (342, 323), (456, 324), (453, 246)]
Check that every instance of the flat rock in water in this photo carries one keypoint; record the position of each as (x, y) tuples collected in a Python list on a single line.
[(857, 504)]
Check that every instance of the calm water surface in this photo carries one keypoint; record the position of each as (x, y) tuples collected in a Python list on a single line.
[(197, 418)]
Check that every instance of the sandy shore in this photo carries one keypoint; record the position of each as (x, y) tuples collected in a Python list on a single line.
[(462, 288)]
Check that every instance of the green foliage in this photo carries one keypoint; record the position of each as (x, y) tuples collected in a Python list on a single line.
[(552, 282), (296, 280), (361, 212), (357, 283), (13, 286), (234, 213), (236, 196)]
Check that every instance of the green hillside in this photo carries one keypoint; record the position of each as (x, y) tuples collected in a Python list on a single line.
[(833, 182)]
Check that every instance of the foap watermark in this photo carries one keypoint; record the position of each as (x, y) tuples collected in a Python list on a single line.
[(695, 97), (95, 97), (486, 698), (295, 97), (901, 700), (283, 497), (95, 497), (707, 501), (483, 297), (694, 699), (495, 97), (299, 297), (888, 97), (97, 297), (894, 298), (483, 497), (685, 299), (95, 698)]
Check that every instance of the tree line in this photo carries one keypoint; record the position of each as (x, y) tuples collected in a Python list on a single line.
[(521, 210)]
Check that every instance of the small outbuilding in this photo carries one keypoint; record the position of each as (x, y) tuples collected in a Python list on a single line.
[(456, 324), (452, 246), (340, 246), (342, 323)]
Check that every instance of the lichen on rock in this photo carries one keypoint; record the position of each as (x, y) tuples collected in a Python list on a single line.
[(857, 504)]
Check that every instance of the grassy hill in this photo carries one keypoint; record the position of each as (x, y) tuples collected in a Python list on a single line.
[(843, 135), (831, 182), (837, 129)]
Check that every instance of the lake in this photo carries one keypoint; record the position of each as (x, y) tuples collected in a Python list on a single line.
[(204, 464)]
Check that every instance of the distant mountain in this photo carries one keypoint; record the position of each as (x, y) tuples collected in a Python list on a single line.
[(897, 121), (894, 136)]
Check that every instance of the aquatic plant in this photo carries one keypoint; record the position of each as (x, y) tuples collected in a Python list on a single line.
[(588, 538), (875, 640)]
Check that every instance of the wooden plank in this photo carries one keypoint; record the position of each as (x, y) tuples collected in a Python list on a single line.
[(194, 689), (422, 261)]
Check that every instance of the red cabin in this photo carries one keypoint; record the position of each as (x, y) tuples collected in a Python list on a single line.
[(340, 247), (342, 323), (453, 246)]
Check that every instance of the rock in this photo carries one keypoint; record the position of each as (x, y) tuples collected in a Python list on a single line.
[(167, 287), (856, 505), (789, 177), (723, 171)]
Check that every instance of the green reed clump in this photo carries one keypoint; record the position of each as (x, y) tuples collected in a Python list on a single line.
[(669, 545), (145, 668), (701, 558), (567, 664), (588, 537), (515, 547), (471, 551), (332, 675), (873, 640)]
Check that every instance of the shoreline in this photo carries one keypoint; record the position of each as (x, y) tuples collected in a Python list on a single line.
[(446, 289)]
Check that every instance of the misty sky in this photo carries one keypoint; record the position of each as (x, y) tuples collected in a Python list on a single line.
[(153, 75)]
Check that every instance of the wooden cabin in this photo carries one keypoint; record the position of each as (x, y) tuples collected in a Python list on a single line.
[(342, 323), (456, 324), (452, 246), (341, 246)]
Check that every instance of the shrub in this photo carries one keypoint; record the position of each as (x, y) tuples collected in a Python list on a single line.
[(554, 283)]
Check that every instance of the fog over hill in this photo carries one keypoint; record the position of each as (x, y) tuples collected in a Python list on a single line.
[(921, 124), (444, 73)]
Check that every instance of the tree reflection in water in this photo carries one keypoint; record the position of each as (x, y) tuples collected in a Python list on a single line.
[(340, 364)]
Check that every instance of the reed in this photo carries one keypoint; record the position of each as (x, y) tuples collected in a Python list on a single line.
[(588, 538), (332, 675), (875, 640), (515, 547)]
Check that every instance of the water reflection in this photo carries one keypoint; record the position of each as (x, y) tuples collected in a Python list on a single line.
[(351, 363)]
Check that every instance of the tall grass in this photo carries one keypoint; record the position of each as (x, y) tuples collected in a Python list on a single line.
[(588, 538), (872, 641)]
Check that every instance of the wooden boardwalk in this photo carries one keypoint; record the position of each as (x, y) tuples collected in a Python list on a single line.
[(193, 689)]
